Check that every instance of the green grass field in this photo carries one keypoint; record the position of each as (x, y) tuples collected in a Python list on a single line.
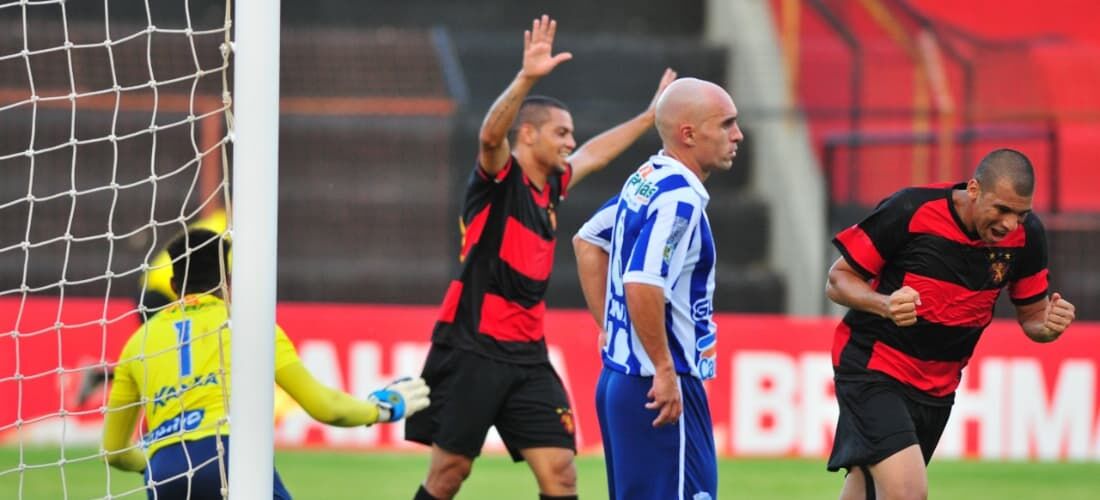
[(332, 475)]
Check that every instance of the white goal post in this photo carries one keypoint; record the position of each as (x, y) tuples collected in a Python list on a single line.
[(255, 210)]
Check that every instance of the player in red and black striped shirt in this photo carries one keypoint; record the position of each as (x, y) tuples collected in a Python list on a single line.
[(488, 364), (921, 275)]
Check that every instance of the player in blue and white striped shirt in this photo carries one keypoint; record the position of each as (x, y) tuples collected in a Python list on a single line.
[(656, 302)]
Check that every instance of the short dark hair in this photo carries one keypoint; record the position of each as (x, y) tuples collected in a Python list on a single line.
[(534, 111), (1007, 164), (198, 261)]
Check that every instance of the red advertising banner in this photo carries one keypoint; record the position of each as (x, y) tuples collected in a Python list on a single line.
[(772, 396)]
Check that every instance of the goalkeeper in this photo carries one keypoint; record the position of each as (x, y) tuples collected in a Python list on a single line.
[(171, 369), (156, 290), (154, 294)]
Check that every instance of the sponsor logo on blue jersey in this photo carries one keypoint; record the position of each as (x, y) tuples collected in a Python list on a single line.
[(170, 392), (186, 421), (640, 190), (707, 352), (702, 309)]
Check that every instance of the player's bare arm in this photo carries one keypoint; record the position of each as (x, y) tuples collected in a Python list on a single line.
[(1046, 320), (538, 61), (600, 150), (646, 306), (592, 271), (848, 288)]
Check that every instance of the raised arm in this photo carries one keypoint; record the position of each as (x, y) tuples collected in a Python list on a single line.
[(538, 62), (1045, 320), (600, 150)]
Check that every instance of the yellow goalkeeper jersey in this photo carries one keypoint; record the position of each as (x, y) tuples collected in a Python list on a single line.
[(173, 364)]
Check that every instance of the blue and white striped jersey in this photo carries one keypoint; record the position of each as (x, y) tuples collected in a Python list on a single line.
[(597, 230), (660, 236)]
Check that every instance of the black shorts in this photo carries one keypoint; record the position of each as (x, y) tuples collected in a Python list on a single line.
[(877, 419), (527, 404)]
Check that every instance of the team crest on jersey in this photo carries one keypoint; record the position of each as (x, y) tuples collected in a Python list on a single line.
[(566, 415), (999, 264)]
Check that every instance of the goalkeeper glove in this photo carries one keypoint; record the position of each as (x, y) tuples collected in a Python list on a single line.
[(401, 398)]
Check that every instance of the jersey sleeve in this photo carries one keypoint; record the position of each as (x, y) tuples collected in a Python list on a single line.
[(285, 353), (1029, 282), (124, 387), (597, 230), (481, 177), (867, 245), (662, 244)]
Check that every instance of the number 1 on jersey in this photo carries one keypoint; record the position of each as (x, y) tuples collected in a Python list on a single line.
[(183, 335)]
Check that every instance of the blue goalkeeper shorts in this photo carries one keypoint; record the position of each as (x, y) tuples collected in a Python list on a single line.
[(643, 462), (169, 466)]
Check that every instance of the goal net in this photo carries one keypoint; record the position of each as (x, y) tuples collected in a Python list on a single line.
[(114, 120)]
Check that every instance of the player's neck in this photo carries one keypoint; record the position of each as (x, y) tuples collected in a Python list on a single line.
[(962, 207), (536, 172), (688, 161)]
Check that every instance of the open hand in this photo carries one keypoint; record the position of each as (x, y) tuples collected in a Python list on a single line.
[(401, 398), (538, 43), (667, 78)]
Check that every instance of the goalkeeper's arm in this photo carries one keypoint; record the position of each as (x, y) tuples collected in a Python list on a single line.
[(118, 426), (339, 408)]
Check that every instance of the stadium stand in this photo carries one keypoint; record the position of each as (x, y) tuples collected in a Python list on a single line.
[(925, 88), (380, 107)]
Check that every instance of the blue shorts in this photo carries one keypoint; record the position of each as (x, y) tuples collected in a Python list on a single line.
[(671, 461), (169, 466)]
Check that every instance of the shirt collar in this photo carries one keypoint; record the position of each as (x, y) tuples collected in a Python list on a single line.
[(662, 159)]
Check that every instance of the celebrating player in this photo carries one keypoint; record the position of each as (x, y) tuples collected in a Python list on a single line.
[(921, 275), (488, 363), (176, 369)]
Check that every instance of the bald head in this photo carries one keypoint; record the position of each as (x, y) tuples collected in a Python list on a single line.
[(697, 121), (687, 101)]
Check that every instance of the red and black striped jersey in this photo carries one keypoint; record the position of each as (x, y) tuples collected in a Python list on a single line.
[(915, 238), (495, 307)]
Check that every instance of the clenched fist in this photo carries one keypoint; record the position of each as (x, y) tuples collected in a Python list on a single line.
[(902, 306), (1060, 313)]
